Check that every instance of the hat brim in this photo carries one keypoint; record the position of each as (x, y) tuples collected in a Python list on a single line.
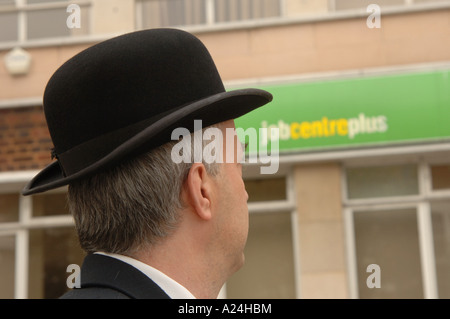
[(211, 110)]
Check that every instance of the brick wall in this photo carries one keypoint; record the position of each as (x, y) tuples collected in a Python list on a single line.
[(25, 142)]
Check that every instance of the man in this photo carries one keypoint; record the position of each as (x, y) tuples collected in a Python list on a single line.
[(152, 228)]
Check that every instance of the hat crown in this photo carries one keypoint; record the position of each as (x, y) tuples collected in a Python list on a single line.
[(125, 96), (125, 80)]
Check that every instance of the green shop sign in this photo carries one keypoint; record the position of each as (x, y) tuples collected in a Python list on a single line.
[(355, 112)]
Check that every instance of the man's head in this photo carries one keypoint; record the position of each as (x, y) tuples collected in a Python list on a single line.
[(137, 205)]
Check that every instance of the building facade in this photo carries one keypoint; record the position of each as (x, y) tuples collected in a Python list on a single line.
[(359, 205)]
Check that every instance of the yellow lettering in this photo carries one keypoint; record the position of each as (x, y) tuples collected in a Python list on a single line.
[(305, 130), (332, 127), (342, 127), (295, 130), (325, 126), (317, 129)]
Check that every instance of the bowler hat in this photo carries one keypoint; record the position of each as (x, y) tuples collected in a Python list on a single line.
[(125, 96)]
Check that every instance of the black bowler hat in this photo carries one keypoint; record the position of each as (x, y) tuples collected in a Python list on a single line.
[(124, 96)]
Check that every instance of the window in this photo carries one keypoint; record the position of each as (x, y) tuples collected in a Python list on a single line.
[(399, 219), (51, 250), (384, 4), (242, 10), (378, 242), (270, 253), (383, 181), (9, 213), (440, 176), (163, 13), (51, 204), (7, 266), (8, 21), (358, 4), (37, 244), (269, 260), (25, 20), (260, 190), (9, 208), (440, 214)]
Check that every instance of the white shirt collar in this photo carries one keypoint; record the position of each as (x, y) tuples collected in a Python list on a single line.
[(172, 288)]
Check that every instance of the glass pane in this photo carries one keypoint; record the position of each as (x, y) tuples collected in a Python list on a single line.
[(50, 204), (51, 251), (240, 10), (362, 4), (440, 176), (382, 181), (7, 266), (47, 23), (8, 27), (269, 262), (389, 239), (266, 189), (7, 2), (42, 1), (428, 1), (9, 208), (440, 215), (162, 13)]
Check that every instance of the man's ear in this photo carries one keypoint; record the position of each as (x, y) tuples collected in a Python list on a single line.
[(199, 190)]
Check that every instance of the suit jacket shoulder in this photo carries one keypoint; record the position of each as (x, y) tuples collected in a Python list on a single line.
[(104, 277), (94, 293)]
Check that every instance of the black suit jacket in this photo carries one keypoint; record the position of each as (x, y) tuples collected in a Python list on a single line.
[(104, 277)]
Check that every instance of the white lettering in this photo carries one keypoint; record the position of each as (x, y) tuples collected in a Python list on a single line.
[(74, 19), (374, 19), (73, 281), (374, 279)]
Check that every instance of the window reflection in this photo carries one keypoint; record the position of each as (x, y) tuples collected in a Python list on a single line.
[(51, 251), (440, 214), (7, 266), (389, 239)]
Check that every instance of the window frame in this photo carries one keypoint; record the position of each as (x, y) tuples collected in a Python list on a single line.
[(13, 182), (287, 206), (420, 202), (26, 222), (211, 19), (283, 17), (22, 8)]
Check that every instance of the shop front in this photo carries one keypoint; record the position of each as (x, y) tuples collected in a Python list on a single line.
[(364, 171), (358, 206)]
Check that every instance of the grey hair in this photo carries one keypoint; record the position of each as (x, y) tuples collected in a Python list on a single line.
[(134, 204)]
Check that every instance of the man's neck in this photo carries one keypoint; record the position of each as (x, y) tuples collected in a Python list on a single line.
[(185, 268)]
